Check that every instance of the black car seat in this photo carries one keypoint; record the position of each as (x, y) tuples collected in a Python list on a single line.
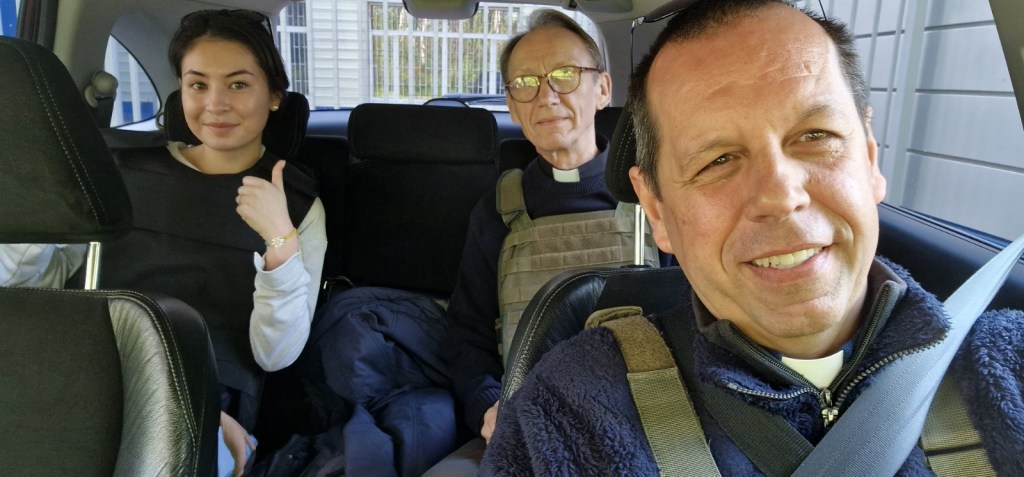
[(414, 175), (94, 382)]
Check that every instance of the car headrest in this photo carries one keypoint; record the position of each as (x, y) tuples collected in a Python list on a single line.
[(606, 119), (621, 157), (515, 153), (59, 180), (417, 133), (283, 134)]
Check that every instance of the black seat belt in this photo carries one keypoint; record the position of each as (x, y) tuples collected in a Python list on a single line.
[(767, 440)]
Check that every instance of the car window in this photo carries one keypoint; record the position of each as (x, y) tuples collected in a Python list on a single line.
[(948, 126), (137, 100), (343, 53), (9, 17)]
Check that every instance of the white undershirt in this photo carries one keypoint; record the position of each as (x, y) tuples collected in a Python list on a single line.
[(821, 371)]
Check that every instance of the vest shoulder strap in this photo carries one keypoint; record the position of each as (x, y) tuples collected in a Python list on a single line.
[(669, 420), (949, 439), (511, 203), (625, 210)]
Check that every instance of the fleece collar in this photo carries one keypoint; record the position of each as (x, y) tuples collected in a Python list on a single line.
[(901, 319)]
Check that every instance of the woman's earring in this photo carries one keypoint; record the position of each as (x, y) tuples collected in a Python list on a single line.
[(274, 107)]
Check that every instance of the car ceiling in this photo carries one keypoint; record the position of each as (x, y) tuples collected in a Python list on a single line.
[(145, 26)]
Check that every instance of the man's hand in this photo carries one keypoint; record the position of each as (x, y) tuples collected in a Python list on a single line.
[(490, 419), (237, 439)]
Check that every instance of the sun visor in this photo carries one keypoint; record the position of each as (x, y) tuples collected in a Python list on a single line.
[(606, 6), (441, 9)]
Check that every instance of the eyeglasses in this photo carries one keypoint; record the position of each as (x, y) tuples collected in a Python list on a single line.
[(562, 80), (249, 16)]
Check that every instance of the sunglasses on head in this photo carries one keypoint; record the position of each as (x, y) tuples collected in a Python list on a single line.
[(248, 16)]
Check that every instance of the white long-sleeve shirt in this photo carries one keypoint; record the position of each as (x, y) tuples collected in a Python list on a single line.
[(39, 265), (285, 297)]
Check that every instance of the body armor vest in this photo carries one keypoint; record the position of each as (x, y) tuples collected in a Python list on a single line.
[(535, 250), (190, 243)]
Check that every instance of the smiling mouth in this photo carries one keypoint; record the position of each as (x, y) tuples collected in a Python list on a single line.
[(788, 260), (551, 120)]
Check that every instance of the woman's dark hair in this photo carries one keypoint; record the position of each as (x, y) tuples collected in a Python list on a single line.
[(249, 28)]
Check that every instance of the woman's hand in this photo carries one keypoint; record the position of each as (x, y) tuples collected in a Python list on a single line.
[(263, 206), (237, 439)]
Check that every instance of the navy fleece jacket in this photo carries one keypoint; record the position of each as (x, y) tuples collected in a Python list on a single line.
[(574, 414)]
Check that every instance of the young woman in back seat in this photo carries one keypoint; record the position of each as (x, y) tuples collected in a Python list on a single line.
[(201, 211), (232, 78)]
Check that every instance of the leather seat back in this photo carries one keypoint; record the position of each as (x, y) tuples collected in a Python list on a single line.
[(94, 382)]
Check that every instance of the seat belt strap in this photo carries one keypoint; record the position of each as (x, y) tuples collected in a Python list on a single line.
[(882, 426), (949, 439), (666, 412), (771, 443)]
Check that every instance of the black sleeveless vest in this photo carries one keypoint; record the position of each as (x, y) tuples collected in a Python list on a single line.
[(190, 243)]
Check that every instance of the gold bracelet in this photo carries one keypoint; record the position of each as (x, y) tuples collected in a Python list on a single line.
[(279, 241)]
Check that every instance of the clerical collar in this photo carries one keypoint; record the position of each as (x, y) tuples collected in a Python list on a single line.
[(571, 175), (821, 371)]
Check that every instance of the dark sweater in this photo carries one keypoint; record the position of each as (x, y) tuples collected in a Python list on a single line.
[(575, 415), (472, 345)]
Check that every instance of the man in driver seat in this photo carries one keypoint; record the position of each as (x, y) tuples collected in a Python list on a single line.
[(758, 170)]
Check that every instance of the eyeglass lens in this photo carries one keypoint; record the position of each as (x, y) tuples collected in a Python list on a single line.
[(563, 80)]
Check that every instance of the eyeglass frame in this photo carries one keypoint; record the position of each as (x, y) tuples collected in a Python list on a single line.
[(579, 71)]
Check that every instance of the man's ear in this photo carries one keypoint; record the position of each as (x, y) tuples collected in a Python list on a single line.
[(512, 110), (603, 90), (878, 182), (653, 207)]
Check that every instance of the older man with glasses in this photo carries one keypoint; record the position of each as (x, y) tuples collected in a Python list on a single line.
[(555, 84)]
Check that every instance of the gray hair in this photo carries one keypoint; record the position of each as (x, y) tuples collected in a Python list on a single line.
[(551, 18)]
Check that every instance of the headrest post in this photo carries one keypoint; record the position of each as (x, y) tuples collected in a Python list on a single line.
[(92, 266), (639, 227)]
